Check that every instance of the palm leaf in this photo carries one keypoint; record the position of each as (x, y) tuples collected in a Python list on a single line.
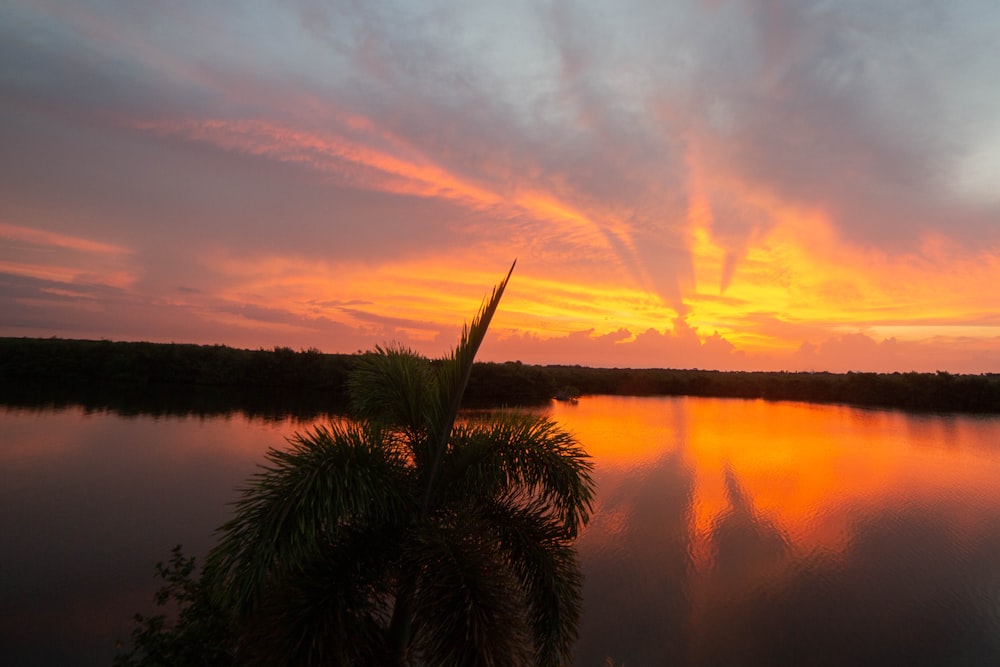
[(468, 610), (330, 612), (452, 378), (526, 456), (392, 385), (332, 478), (544, 561)]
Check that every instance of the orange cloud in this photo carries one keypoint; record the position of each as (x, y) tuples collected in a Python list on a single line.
[(378, 160), (355, 162), (795, 281), (768, 292), (39, 237), (63, 258)]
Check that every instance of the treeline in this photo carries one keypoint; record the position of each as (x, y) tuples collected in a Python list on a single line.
[(182, 379), (285, 381), (940, 391), (85, 361)]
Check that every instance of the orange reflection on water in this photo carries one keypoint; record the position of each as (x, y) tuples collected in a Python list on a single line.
[(806, 471)]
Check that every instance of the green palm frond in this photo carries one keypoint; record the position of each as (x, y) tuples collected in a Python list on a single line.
[(453, 377), (545, 564), (330, 612), (468, 609), (331, 478), (392, 385), (525, 455)]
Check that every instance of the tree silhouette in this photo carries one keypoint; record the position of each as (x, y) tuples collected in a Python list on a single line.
[(409, 536)]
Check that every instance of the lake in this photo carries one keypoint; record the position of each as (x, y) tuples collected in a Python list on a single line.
[(726, 532)]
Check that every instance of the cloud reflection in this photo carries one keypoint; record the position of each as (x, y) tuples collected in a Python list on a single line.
[(733, 532)]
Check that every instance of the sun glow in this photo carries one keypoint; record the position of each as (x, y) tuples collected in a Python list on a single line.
[(798, 281), (767, 287)]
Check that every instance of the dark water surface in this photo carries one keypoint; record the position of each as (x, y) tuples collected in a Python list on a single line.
[(726, 532)]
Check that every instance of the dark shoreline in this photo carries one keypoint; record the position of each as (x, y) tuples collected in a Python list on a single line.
[(168, 378)]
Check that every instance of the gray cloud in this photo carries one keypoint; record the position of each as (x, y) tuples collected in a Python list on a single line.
[(852, 107)]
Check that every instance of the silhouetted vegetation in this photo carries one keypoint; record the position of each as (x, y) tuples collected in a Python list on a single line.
[(510, 383), (204, 380), (215, 379), (193, 631), (404, 537), (940, 391), (88, 361)]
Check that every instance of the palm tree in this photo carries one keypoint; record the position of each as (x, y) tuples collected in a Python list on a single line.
[(407, 536)]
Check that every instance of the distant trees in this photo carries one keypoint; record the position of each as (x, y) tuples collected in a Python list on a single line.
[(107, 374), (92, 361), (405, 537), (509, 383), (87, 372), (911, 391)]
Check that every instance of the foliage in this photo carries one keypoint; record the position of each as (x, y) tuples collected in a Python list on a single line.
[(89, 361), (912, 391), (407, 536), (200, 633), (104, 375)]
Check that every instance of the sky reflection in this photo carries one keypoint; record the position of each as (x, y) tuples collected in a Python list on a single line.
[(89, 502), (770, 533), (725, 531)]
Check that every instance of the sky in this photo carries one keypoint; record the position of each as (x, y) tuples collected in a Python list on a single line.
[(719, 184)]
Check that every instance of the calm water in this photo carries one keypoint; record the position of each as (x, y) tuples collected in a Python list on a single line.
[(726, 532)]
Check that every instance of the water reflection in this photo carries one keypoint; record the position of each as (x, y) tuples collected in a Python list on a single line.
[(754, 533), (166, 400), (89, 502), (636, 558), (725, 533)]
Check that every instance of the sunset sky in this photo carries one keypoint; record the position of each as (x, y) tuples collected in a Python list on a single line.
[(730, 184)]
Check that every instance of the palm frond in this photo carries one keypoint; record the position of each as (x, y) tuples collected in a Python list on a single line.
[(468, 608), (332, 478), (392, 385), (330, 612), (453, 377), (545, 563), (527, 456)]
